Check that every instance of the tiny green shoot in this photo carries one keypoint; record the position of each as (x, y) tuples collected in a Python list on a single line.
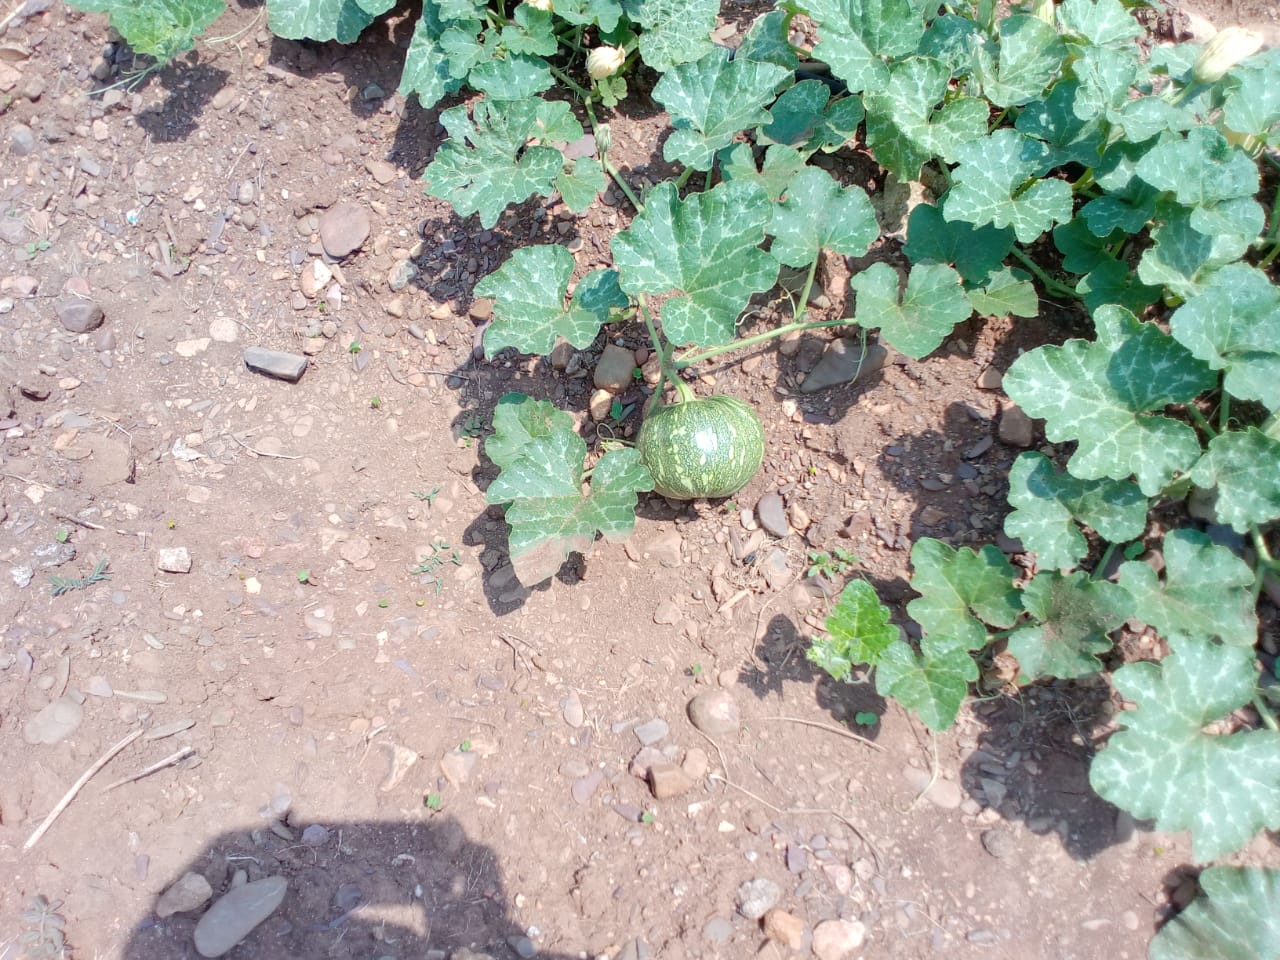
[(433, 800), (62, 536)]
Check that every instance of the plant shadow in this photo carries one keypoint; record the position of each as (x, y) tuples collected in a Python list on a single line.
[(355, 889)]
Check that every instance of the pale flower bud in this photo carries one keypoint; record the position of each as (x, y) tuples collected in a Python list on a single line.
[(605, 61), (1245, 141), (1227, 48), (1043, 10), (604, 139), (546, 6)]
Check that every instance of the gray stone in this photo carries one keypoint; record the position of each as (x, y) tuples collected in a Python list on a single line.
[(22, 142), (79, 316), (173, 560), (13, 231), (614, 368), (22, 575), (458, 766), (54, 723), (651, 732), (941, 793), (844, 361), (522, 946), (344, 229), (188, 892), (999, 842), (667, 612), (757, 897), (316, 835), (718, 930), (776, 572), (1016, 428), (276, 363), (53, 554), (715, 713), (401, 274), (773, 514), (585, 787), (235, 915)]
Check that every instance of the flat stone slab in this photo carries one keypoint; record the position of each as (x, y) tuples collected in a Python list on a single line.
[(276, 363)]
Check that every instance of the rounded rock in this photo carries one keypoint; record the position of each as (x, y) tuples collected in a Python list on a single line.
[(715, 713), (838, 939), (344, 229), (235, 915)]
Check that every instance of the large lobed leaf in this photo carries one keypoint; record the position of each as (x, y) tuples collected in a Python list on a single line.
[(1028, 57), (529, 311), (930, 307), (974, 251), (1101, 394), (713, 99), (996, 183), (705, 250), (673, 31), (541, 461), (1236, 917), (1243, 468), (932, 682), (1163, 766), (499, 158), (856, 36), (1073, 617), (818, 214), (1048, 504), (1206, 593), (962, 591)]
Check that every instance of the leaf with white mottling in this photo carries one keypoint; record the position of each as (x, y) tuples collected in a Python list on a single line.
[(1254, 106), (540, 480), (1113, 282), (673, 31), (441, 54), (529, 311), (1235, 917), (974, 251), (711, 101), (781, 164), (1101, 394), (818, 214), (580, 182), (1164, 766), (996, 183), (1073, 617), (604, 13), (1206, 593), (1098, 22), (930, 307), (961, 590), (1234, 325), (1243, 466), (1203, 168), (513, 78), (856, 35), (704, 249), (166, 28), (1025, 61), (1048, 504), (341, 20), (1006, 293), (933, 683)]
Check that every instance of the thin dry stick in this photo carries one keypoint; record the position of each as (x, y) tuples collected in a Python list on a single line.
[(10, 15), (158, 765), (262, 453), (802, 810), (76, 787), (838, 731), (78, 522)]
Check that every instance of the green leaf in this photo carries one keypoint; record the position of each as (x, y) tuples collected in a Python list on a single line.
[(1101, 394), (974, 251), (530, 32), (706, 247), (541, 461), (1206, 592), (1030, 55), (1236, 917), (580, 182), (1164, 767), (1234, 325), (1081, 248), (908, 124), (818, 214), (1253, 107), (529, 310), (440, 56), (711, 101), (767, 41), (1053, 119), (961, 590), (801, 117), (781, 164), (1244, 466), (674, 31), (341, 20), (1203, 168), (1182, 256), (1074, 617), (1048, 504), (858, 631), (933, 682), (932, 304), (1106, 214), (856, 34), (996, 183), (511, 78), (1006, 293), (158, 28), (604, 13), (1098, 22), (486, 164), (951, 38)]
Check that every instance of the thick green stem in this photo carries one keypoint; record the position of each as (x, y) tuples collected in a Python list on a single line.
[(609, 168), (569, 82), (1264, 711), (1051, 286), (1100, 569), (684, 178), (691, 358), (668, 370), (1224, 413), (1194, 413)]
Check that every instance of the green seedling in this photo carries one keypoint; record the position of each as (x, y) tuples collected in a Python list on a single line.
[(61, 585), (304, 575), (831, 565), (865, 718), (433, 801), (354, 347), (62, 536), (428, 495)]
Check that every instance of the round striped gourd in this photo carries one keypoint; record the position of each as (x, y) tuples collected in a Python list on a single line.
[(709, 447)]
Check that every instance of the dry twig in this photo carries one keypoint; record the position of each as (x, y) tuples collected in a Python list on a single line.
[(76, 787)]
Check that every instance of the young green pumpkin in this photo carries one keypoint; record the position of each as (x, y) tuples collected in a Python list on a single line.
[(701, 448)]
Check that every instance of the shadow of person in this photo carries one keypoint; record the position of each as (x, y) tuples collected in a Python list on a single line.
[(355, 889)]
